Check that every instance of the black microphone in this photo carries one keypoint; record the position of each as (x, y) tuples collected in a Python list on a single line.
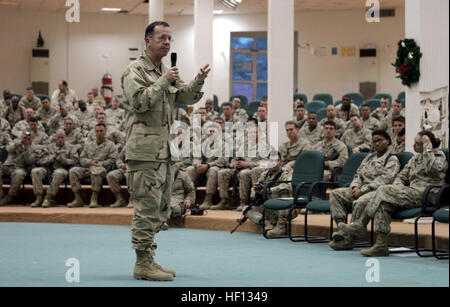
[(173, 60)]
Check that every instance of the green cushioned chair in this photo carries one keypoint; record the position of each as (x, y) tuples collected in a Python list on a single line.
[(373, 104), (323, 206), (308, 169), (357, 98), (302, 96), (252, 108), (315, 106), (327, 98), (442, 215), (321, 114), (401, 96), (381, 95)]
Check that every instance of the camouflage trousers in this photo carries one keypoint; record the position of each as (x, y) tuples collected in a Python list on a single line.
[(150, 188), (114, 178), (175, 209), (39, 173), (342, 203), (211, 177), (76, 174), (17, 177), (389, 199), (248, 177)]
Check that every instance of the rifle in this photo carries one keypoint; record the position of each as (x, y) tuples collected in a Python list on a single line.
[(258, 201)]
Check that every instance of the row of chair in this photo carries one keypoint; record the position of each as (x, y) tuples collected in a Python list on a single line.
[(309, 193)]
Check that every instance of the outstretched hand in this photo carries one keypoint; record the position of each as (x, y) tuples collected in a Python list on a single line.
[(203, 74)]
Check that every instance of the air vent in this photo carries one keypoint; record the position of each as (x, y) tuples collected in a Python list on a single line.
[(387, 13), (367, 53)]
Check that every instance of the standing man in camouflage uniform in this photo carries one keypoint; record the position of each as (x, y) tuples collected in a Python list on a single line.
[(427, 167), (150, 98), (375, 171), (58, 157), (95, 158)]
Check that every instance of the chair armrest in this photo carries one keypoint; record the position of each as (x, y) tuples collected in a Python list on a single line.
[(297, 191), (335, 171), (426, 196), (269, 184), (440, 196), (324, 185)]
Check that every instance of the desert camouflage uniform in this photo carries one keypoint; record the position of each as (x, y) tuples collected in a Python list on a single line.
[(345, 115), (371, 123), (361, 139), (150, 100), (14, 116), (340, 124), (115, 177), (241, 115), (183, 190), (396, 147), (57, 122), (34, 104), (289, 152), (335, 150), (116, 117), (112, 134), (427, 168), (314, 136), (22, 126)]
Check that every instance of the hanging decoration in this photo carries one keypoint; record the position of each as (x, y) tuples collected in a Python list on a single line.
[(407, 64)]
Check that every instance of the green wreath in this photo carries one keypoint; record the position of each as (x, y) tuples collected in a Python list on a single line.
[(407, 64)]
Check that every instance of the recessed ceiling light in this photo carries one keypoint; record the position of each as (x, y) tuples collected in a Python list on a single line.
[(111, 9)]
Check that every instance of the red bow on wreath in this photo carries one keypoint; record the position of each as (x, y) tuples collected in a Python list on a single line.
[(402, 69)]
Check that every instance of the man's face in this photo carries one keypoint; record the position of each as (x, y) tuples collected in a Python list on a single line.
[(101, 119), (202, 112), (384, 103), (275, 163), (61, 86), (329, 131), (29, 113), (115, 104), (398, 126), (60, 139), (62, 97), (68, 126), (300, 113), (90, 98), (208, 104), (100, 133), (346, 101), (331, 112), (46, 104), (220, 122), (159, 43), (365, 112), (15, 102), (262, 113), (312, 121), (6, 94), (397, 107), (33, 126), (94, 91), (355, 122), (291, 132), (30, 94), (236, 103), (227, 111)]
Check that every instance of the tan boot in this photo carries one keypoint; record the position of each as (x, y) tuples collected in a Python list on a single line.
[(279, 230), (223, 205), (77, 202), (346, 244), (208, 202), (242, 204), (357, 228), (130, 205), (48, 201), (94, 200), (145, 268), (38, 201), (380, 248), (120, 202)]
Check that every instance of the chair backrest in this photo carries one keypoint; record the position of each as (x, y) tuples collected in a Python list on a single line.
[(252, 107), (337, 102), (381, 95), (350, 167), (373, 103), (244, 100), (42, 96), (17, 95), (403, 103), (401, 95), (327, 98), (315, 105), (403, 158), (308, 168), (321, 114), (357, 98), (300, 95)]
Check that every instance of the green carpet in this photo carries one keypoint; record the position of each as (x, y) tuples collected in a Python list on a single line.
[(35, 254)]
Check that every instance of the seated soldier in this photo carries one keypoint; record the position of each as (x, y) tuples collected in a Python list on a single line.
[(21, 155), (346, 109), (112, 134), (114, 178), (6, 101), (90, 124), (115, 114), (295, 146), (397, 110), (427, 167), (261, 114), (398, 123), (358, 137), (40, 137), (70, 97), (376, 170), (182, 198), (275, 220), (381, 112), (14, 113), (30, 101), (95, 158), (22, 125), (210, 112), (73, 135), (45, 112), (398, 145), (334, 151), (300, 115), (227, 113), (59, 156), (212, 160), (368, 121), (5, 129), (57, 121), (331, 115), (62, 100), (238, 112), (98, 99), (311, 131), (298, 102), (83, 114)]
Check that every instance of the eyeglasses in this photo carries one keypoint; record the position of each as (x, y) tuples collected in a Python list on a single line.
[(163, 38)]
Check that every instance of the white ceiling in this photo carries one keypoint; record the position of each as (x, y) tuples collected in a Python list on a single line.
[(185, 7)]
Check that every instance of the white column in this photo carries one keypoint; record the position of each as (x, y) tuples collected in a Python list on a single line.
[(280, 65), (203, 43), (427, 22), (155, 10)]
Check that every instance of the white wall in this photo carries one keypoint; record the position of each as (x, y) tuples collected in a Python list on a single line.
[(76, 49)]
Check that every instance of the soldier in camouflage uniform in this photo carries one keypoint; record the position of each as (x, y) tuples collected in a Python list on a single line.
[(331, 115), (21, 155), (210, 112), (275, 220), (57, 121), (398, 144), (398, 123), (381, 112), (227, 114), (84, 115), (5, 129), (30, 101), (112, 134), (358, 137), (427, 167), (115, 114), (375, 171), (95, 158), (57, 158), (150, 100), (311, 131), (114, 178), (345, 110), (14, 113), (368, 121), (397, 110), (238, 112), (334, 151), (295, 146), (300, 115), (45, 112)]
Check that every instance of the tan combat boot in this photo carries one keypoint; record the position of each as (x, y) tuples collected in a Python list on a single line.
[(223, 205), (380, 248), (48, 201), (242, 204), (94, 200), (208, 202), (338, 235), (130, 205), (279, 230), (357, 228), (120, 202), (77, 202), (345, 244), (38, 201), (145, 268)]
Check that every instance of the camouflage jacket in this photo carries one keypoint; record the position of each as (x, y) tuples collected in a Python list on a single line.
[(361, 139), (183, 187), (69, 156), (289, 152), (18, 156), (277, 190), (314, 136), (106, 153), (336, 150), (149, 103), (33, 104)]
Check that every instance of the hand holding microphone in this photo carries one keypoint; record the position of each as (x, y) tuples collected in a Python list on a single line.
[(172, 74)]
